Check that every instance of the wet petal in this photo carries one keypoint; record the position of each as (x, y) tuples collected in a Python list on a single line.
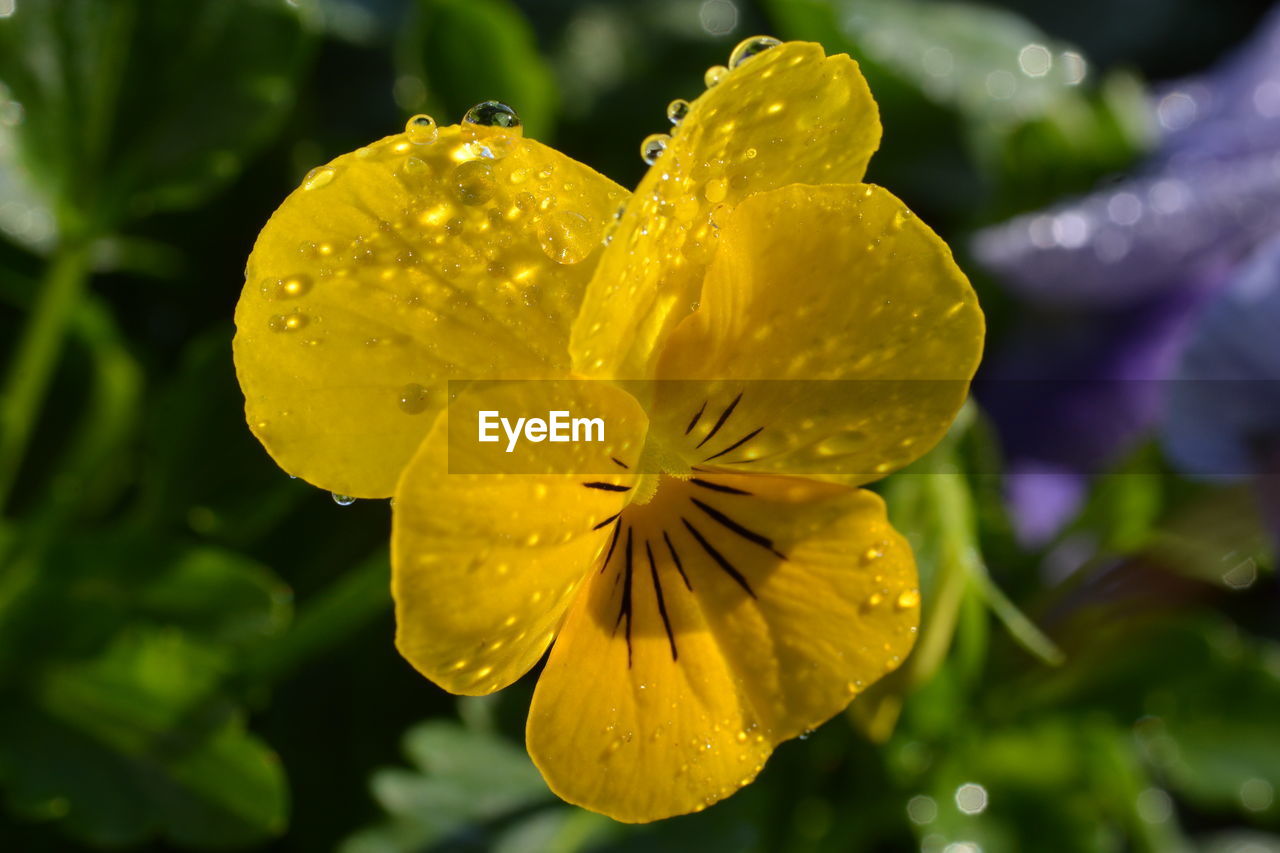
[(395, 268), (786, 116), (485, 564), (836, 335), (736, 613)]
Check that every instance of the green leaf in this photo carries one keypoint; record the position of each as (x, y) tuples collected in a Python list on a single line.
[(457, 53), (1055, 783), (135, 741), (1035, 123), (218, 595), (462, 779), (201, 468), (1211, 729), (129, 106), (91, 586)]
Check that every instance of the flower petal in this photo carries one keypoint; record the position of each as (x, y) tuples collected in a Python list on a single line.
[(698, 648), (788, 115), (402, 266), (855, 305), (484, 565)]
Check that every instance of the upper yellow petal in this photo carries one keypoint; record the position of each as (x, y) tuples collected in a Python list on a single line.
[(789, 115), (398, 267), (735, 613), (484, 564), (835, 330)]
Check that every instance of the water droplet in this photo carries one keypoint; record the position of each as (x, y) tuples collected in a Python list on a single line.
[(907, 599), (653, 147), (566, 236), (473, 182), (317, 178), (492, 114), (873, 553), (841, 443), (750, 47), (677, 110), (343, 500), (714, 75), (287, 322), (421, 130), (495, 146), (414, 399), (294, 286), (874, 600), (715, 190)]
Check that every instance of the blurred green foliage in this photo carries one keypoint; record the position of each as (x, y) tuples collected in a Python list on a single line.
[(158, 689)]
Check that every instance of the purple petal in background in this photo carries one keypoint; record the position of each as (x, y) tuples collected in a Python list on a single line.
[(1043, 498), (1140, 237), (1225, 405), (1231, 111)]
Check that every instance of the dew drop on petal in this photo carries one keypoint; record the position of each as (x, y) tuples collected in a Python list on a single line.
[(287, 322), (653, 147), (421, 130), (716, 190), (492, 114), (566, 236), (750, 47), (317, 178), (294, 286), (414, 399), (473, 182), (677, 110), (343, 500), (907, 599), (714, 75)]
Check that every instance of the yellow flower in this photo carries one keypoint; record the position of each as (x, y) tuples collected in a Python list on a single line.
[(705, 600)]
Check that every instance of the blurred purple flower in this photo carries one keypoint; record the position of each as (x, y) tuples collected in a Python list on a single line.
[(1118, 282), (1224, 410)]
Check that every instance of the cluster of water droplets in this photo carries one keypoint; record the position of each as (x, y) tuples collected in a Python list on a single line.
[(655, 144), (465, 201)]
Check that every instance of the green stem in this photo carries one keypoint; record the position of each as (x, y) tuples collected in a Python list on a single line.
[(27, 381)]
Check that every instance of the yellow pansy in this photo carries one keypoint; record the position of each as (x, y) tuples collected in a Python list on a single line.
[(763, 331)]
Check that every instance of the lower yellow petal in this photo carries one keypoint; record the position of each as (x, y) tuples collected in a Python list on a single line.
[(485, 564), (396, 268), (736, 612)]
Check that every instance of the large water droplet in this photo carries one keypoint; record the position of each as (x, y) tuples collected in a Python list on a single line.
[(317, 178), (677, 110), (653, 147), (421, 130), (473, 182), (343, 500), (750, 47), (714, 75), (414, 399), (492, 114), (566, 236), (907, 599)]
